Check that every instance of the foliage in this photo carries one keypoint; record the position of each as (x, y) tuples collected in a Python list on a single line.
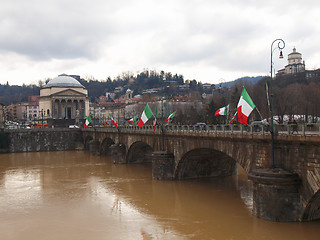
[(14, 94), (293, 94)]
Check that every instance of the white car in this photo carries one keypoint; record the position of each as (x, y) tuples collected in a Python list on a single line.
[(73, 126)]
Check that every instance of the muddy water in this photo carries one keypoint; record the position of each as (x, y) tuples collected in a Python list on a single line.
[(74, 195)]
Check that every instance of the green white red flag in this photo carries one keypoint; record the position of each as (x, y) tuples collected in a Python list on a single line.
[(222, 111), (233, 118), (170, 117), (113, 121), (145, 116), (87, 122), (155, 120), (245, 107), (132, 120)]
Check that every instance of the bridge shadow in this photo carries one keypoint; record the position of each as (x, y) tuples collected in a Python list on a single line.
[(105, 146), (205, 162), (139, 152), (208, 155), (87, 141)]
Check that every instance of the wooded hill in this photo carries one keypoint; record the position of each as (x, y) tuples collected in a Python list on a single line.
[(142, 81), (293, 94)]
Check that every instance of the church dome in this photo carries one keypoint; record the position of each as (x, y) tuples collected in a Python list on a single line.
[(63, 81)]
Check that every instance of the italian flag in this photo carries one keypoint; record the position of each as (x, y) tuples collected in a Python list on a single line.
[(170, 117), (113, 121), (87, 122), (132, 120), (245, 107), (222, 111), (145, 116), (155, 120)]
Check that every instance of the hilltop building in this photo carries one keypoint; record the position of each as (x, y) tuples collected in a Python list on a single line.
[(296, 68), (126, 98), (295, 63)]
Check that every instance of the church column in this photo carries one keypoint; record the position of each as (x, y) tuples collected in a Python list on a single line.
[(59, 109), (79, 108), (53, 101), (66, 109), (82, 110), (72, 109), (77, 112), (75, 108)]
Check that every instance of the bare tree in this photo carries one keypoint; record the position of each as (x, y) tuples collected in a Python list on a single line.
[(312, 105)]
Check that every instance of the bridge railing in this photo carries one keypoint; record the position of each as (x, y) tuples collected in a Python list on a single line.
[(279, 129)]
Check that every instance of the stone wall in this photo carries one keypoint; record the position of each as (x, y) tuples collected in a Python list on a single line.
[(4, 141), (38, 140)]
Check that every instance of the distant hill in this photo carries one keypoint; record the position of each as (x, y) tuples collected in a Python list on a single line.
[(13, 94), (251, 80)]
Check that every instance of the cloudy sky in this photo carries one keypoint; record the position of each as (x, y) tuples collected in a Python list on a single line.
[(206, 40)]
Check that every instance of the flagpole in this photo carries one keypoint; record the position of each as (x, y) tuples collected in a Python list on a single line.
[(281, 45), (259, 112), (162, 128)]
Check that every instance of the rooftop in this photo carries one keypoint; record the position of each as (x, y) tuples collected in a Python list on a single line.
[(63, 81)]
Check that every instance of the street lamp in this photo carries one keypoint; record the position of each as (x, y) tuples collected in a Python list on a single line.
[(280, 46), (162, 127)]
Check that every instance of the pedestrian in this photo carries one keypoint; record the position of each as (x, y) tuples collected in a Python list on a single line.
[(294, 127)]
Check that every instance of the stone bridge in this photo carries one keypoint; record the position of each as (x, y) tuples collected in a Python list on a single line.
[(287, 192)]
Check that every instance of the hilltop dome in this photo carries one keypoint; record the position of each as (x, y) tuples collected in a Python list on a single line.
[(295, 63), (63, 81)]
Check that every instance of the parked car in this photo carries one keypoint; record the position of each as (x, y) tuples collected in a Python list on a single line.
[(39, 125), (257, 125), (262, 122), (201, 124), (73, 126)]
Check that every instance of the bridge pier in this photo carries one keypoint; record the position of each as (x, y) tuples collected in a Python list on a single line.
[(275, 195), (94, 147), (163, 165), (118, 152)]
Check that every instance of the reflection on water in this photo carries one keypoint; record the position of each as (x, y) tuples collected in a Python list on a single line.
[(21, 188), (74, 195)]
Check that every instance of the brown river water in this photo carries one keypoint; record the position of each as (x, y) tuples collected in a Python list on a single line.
[(75, 196)]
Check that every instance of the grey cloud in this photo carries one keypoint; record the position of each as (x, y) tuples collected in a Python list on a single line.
[(42, 34), (231, 36)]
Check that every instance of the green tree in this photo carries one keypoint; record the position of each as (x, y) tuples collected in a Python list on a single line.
[(211, 109)]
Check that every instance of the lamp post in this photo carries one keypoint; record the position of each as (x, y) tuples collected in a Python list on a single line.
[(280, 46), (162, 127)]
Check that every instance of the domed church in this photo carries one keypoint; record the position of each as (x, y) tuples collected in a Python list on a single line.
[(295, 63), (63, 101)]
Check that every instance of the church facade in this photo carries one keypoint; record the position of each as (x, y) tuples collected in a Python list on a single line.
[(63, 101), (295, 63)]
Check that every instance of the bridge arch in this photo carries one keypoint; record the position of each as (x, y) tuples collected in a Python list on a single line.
[(293, 153), (205, 162), (105, 146), (139, 152), (312, 210)]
